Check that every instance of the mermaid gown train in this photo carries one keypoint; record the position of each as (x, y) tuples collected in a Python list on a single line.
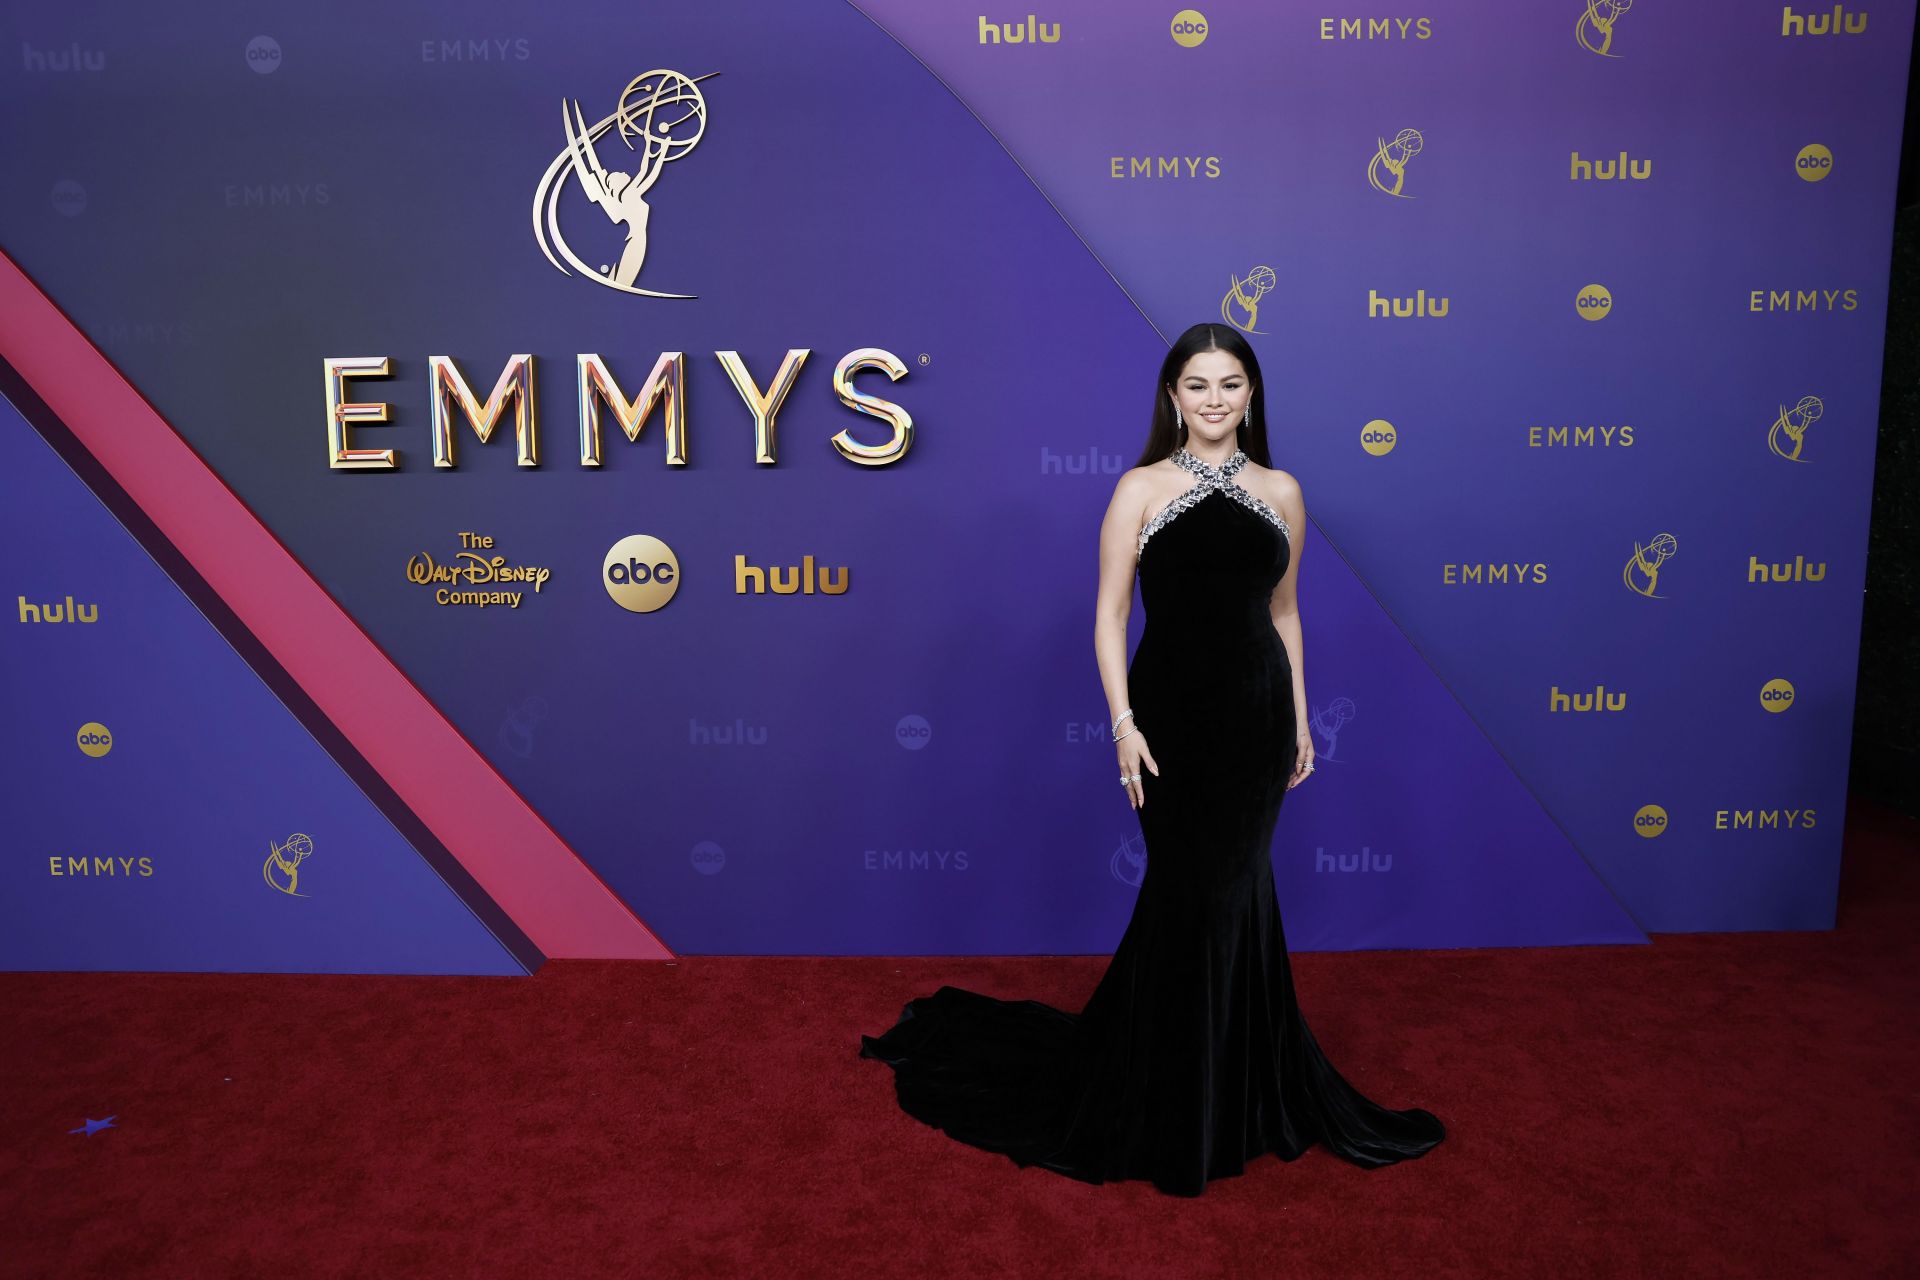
[(1191, 1057)]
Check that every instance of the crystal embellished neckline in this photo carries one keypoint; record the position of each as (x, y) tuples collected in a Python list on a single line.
[(1189, 462), (1212, 479)]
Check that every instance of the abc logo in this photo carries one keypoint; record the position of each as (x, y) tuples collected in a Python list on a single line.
[(913, 732), (1189, 28), (641, 573), (1776, 695), (94, 739), (1593, 302), (69, 197), (1378, 437), (263, 55), (708, 857), (1814, 162), (1650, 821)]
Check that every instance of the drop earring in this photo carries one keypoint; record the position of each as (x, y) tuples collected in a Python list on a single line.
[(1179, 423), (1246, 419)]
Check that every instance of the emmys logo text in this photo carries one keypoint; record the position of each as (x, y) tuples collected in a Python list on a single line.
[(1376, 28), (505, 49), (1491, 575), (1763, 819), (275, 195), (1163, 166), (599, 392), (98, 868), (914, 860), (1803, 299), (1576, 437)]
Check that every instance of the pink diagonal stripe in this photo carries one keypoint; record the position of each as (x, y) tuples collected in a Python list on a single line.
[(515, 856)]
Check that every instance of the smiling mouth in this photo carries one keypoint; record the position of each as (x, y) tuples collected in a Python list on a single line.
[(1213, 417)]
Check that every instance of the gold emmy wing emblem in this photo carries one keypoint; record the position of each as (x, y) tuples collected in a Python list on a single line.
[(1241, 306), (1642, 573), (666, 113), (1594, 28), (1390, 158), (1789, 430), (281, 870)]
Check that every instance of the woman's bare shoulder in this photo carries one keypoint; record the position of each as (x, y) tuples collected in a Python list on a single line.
[(1275, 485), (1144, 481)]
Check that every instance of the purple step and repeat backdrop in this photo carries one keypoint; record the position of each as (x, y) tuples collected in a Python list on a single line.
[(1571, 315)]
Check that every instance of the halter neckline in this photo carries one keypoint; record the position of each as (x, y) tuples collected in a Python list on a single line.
[(1187, 461), (1211, 479)]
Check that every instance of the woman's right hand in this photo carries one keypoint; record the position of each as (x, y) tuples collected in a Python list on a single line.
[(1133, 751)]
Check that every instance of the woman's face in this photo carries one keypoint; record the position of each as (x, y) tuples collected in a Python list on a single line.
[(1212, 393)]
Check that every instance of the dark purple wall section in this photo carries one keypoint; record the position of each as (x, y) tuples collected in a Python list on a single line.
[(154, 854)]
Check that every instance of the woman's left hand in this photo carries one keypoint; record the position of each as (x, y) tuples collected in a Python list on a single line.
[(1303, 759)]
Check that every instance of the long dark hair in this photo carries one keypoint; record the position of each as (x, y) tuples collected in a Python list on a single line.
[(1163, 437)]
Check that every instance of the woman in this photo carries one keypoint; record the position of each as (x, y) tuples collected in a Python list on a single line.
[(1191, 1057)]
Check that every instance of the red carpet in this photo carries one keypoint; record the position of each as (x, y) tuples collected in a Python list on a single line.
[(1708, 1105)]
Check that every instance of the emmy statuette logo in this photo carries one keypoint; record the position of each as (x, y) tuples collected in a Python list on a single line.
[(1642, 571), (1789, 430), (281, 870), (1594, 28), (1241, 305), (665, 111), (1326, 723), (1387, 171)]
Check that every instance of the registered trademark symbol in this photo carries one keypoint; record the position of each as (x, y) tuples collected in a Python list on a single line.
[(925, 358)]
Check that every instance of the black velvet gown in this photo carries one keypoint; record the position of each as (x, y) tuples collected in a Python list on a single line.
[(1191, 1057)]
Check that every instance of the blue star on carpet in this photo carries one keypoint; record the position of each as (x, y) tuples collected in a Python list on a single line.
[(94, 1126)]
